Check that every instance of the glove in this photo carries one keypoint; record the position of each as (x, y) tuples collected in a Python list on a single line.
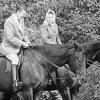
[(25, 45), (29, 43)]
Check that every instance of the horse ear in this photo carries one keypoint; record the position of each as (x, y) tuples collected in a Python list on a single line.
[(78, 47)]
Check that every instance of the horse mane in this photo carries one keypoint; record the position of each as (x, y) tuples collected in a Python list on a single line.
[(53, 49)]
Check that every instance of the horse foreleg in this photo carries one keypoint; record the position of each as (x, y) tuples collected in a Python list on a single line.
[(62, 94), (38, 94), (65, 93), (73, 95), (28, 94), (74, 92)]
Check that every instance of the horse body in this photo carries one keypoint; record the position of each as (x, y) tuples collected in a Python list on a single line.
[(67, 84), (34, 71), (64, 83), (5, 77)]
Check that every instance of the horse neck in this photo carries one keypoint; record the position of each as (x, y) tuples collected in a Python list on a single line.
[(60, 55), (56, 54), (59, 61)]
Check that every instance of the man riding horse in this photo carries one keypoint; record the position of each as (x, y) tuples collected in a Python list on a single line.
[(13, 38)]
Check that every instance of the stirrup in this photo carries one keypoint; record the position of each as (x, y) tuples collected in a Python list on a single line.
[(17, 85), (50, 81)]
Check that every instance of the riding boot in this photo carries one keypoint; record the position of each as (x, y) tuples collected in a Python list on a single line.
[(16, 85)]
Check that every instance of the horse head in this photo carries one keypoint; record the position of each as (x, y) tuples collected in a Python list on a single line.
[(78, 47), (78, 61)]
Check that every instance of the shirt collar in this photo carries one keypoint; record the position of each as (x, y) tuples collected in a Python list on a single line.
[(15, 18)]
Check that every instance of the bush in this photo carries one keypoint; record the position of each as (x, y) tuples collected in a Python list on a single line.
[(78, 20)]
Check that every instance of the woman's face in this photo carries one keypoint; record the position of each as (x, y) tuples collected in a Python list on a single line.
[(50, 18)]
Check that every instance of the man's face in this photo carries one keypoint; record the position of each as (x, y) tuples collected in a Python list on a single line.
[(22, 14)]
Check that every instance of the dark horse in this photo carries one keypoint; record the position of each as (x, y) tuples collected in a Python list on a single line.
[(34, 71), (66, 80), (92, 53), (67, 84)]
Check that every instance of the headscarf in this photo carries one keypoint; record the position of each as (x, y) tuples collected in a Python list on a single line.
[(47, 14)]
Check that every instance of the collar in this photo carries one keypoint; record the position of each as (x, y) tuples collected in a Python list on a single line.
[(15, 18)]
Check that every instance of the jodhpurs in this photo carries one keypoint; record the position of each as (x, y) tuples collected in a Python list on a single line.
[(13, 58)]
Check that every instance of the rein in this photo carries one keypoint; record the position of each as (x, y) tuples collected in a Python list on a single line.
[(93, 63), (49, 61), (43, 58)]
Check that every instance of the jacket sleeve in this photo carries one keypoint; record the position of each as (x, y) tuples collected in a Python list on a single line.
[(26, 38), (25, 32), (58, 40), (9, 34)]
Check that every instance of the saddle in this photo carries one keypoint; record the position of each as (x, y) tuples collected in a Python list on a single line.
[(9, 64)]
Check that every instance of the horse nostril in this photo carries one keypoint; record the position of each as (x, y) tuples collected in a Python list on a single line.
[(83, 79)]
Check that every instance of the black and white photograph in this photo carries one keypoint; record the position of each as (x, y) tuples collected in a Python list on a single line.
[(49, 49)]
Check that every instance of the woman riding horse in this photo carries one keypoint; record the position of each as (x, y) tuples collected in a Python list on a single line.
[(49, 29)]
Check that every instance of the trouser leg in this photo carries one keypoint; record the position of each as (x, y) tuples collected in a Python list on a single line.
[(14, 73), (16, 83)]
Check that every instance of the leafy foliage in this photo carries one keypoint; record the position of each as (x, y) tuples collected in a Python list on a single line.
[(78, 20), (91, 90)]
